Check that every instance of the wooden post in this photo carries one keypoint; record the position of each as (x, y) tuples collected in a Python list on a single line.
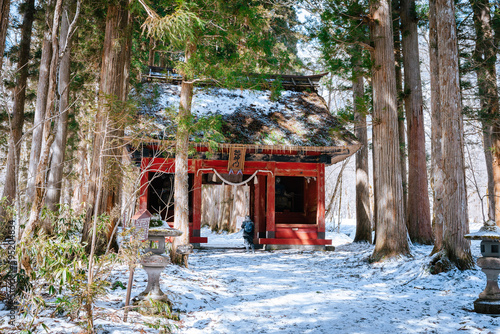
[(260, 206), (270, 213), (129, 290), (143, 197), (320, 213), (197, 199), (255, 201)]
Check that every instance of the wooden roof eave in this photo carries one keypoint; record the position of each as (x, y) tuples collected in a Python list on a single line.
[(337, 153), (350, 150)]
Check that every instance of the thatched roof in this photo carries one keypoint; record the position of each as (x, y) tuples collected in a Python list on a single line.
[(295, 121)]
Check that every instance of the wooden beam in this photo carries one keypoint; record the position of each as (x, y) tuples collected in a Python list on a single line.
[(255, 202), (197, 186), (260, 198), (143, 191), (320, 213), (323, 158), (270, 213)]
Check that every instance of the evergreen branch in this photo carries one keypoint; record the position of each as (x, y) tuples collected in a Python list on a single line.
[(151, 13), (177, 27)]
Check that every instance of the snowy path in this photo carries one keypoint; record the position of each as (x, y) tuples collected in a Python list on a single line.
[(228, 291), (324, 292)]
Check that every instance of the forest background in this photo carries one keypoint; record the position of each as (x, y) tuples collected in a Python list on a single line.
[(67, 68)]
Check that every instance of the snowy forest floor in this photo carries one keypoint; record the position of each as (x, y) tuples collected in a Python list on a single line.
[(226, 290)]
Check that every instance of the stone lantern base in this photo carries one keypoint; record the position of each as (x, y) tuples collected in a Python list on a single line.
[(489, 300), (487, 306), (154, 265)]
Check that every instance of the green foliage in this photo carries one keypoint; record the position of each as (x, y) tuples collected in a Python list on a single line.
[(65, 220), (343, 34), (276, 90), (346, 114), (175, 28), (57, 269), (163, 327), (155, 223), (9, 212), (228, 37), (208, 129), (118, 284)]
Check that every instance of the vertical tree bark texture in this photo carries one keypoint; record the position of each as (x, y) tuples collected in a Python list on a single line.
[(488, 157), (54, 182), (151, 56), (401, 113), (181, 191), (485, 62), (40, 106), (454, 199), (113, 88), (419, 215), (80, 195), (436, 133), (48, 135), (4, 24), (363, 212), (391, 228), (17, 120)]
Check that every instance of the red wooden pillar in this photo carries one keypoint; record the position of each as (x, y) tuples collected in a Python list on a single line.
[(270, 213), (254, 204), (143, 191), (320, 213), (197, 199), (259, 208)]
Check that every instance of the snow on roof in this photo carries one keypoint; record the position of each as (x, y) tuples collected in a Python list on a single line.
[(251, 117)]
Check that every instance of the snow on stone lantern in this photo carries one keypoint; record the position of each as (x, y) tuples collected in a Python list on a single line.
[(489, 300), (155, 263)]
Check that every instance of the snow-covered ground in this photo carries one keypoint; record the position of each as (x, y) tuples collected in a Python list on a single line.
[(226, 290)]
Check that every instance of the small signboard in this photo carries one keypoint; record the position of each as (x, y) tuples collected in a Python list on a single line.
[(141, 223), (236, 162)]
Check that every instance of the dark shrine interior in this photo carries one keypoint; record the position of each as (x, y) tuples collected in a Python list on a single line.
[(295, 196)]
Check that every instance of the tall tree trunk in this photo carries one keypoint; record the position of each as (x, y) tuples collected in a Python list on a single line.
[(391, 228), (4, 25), (401, 112), (40, 106), (48, 135), (419, 214), (454, 199), (436, 134), (488, 157), (151, 56), (79, 196), (363, 212), (54, 182), (109, 125), (17, 120), (485, 57), (181, 191)]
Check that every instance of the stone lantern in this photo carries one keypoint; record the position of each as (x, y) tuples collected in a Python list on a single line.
[(155, 263), (489, 300)]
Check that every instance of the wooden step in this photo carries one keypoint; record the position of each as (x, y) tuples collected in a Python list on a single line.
[(290, 233), (276, 241), (198, 240)]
